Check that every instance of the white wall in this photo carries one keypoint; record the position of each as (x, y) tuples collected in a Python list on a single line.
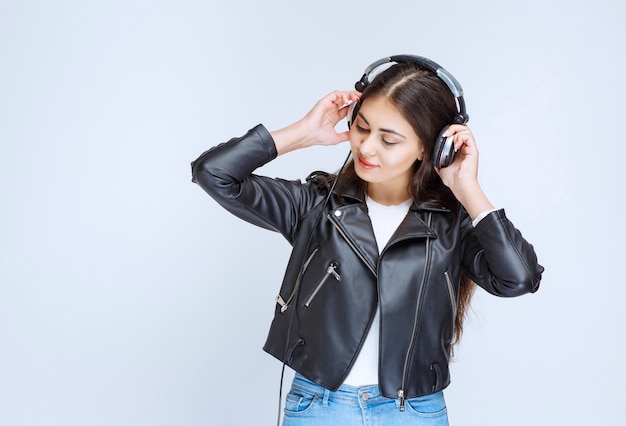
[(128, 297)]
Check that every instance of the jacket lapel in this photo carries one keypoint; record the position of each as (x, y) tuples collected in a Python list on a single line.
[(355, 226), (413, 226), (353, 222)]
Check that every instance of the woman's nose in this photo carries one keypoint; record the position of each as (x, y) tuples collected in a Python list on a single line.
[(368, 147)]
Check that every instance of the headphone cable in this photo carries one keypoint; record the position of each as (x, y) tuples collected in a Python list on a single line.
[(296, 296)]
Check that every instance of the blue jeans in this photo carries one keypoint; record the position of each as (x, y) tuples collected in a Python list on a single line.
[(309, 404)]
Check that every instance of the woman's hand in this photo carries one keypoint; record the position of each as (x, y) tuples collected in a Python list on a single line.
[(462, 175), (317, 127)]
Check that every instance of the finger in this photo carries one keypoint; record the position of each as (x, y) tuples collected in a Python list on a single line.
[(346, 97), (343, 111), (453, 129), (343, 136), (467, 138), (354, 95), (460, 134)]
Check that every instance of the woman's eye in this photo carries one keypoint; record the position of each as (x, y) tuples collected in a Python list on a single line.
[(386, 142), (361, 128)]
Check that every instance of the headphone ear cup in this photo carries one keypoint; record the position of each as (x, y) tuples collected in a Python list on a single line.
[(353, 109), (443, 152)]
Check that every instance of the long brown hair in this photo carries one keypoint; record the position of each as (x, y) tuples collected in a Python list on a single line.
[(428, 105)]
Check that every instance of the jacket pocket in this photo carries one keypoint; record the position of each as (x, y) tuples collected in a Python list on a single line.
[(451, 293), (284, 304), (331, 271), (454, 307), (436, 370)]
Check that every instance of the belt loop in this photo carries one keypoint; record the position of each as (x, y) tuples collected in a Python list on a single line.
[(325, 398)]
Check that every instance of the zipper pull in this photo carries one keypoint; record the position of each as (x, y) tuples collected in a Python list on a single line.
[(332, 270), (282, 303), (401, 397)]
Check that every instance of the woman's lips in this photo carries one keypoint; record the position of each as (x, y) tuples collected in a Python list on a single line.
[(365, 164)]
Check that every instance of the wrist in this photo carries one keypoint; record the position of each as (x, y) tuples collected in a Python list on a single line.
[(290, 138), (474, 200), (481, 216)]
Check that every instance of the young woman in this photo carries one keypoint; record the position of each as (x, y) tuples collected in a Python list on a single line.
[(385, 253)]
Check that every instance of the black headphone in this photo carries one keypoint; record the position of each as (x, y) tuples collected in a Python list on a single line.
[(444, 152)]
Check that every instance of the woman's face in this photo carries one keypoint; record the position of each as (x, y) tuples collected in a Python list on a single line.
[(384, 147)]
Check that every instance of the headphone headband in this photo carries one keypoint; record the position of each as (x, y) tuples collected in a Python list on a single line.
[(438, 70)]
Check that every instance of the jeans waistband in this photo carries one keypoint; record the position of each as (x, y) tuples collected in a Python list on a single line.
[(345, 392)]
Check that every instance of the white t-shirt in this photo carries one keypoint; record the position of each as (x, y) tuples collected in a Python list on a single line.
[(385, 220)]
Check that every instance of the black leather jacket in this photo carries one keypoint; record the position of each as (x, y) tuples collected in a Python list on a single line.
[(336, 279)]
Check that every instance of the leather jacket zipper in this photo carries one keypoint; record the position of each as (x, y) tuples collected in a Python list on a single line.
[(330, 270), (284, 305), (401, 391), (453, 301), (351, 244)]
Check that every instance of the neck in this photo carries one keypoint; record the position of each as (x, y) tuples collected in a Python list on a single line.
[(386, 196)]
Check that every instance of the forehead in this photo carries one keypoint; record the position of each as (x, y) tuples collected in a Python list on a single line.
[(380, 106), (382, 112)]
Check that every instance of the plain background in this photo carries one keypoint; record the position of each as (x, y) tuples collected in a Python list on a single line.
[(128, 297)]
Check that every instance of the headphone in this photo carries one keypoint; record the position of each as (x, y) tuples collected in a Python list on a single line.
[(443, 152)]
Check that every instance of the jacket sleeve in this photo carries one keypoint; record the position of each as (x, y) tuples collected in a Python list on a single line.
[(498, 258), (225, 172)]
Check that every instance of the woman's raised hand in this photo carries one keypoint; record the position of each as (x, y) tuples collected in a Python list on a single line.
[(326, 114), (464, 168), (317, 127), (462, 175)]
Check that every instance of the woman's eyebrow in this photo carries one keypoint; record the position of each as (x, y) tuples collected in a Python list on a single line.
[(363, 118), (382, 129)]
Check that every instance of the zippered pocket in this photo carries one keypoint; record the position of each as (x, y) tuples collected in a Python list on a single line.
[(434, 367), (454, 305), (331, 270), (284, 304), (451, 292)]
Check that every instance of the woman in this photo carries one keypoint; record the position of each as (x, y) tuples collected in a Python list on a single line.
[(385, 254)]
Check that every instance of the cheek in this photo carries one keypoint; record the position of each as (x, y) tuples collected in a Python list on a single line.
[(403, 160), (353, 139)]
